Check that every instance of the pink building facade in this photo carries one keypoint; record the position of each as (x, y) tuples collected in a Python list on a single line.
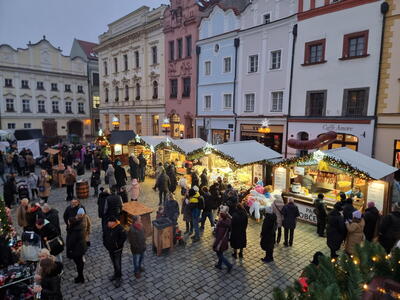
[(181, 20)]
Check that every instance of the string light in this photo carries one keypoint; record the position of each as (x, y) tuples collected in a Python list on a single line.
[(374, 258), (365, 286)]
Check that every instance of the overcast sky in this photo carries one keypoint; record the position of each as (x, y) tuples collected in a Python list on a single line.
[(61, 21)]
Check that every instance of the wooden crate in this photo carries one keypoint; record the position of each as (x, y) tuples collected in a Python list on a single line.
[(163, 239)]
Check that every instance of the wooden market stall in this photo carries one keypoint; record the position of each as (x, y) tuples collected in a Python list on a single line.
[(57, 169), (119, 141), (331, 172), (238, 162)]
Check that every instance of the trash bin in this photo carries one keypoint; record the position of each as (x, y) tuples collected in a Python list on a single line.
[(163, 235)]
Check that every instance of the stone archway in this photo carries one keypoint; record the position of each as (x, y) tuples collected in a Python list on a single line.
[(75, 127), (49, 127)]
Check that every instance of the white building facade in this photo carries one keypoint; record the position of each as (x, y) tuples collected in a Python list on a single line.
[(335, 73), (132, 70), (42, 89)]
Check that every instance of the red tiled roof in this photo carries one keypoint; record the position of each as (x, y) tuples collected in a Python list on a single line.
[(87, 47)]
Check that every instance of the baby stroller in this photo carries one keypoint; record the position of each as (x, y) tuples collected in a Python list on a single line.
[(31, 246), (22, 189)]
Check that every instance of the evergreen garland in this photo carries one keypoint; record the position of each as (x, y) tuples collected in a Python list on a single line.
[(5, 227)]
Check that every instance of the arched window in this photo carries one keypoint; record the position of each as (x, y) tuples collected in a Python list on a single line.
[(155, 89), (137, 91), (106, 95), (116, 94), (302, 136), (126, 92), (343, 140)]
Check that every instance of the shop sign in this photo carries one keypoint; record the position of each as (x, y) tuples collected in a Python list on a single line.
[(376, 193), (337, 128), (280, 179), (307, 213), (298, 171)]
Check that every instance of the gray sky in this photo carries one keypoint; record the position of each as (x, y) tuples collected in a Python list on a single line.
[(61, 21)]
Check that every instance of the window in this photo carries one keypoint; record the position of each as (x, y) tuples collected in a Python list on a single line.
[(207, 68), (26, 105), (127, 121), (275, 60), (54, 87), (8, 82), (267, 18), (81, 108), (10, 105), (156, 124), (253, 63), (137, 91), (68, 107), (96, 81), (171, 50), (11, 126), (116, 94), (125, 62), (249, 105), (277, 101), (227, 101), (54, 105), (107, 121), (105, 68), (186, 87), (207, 102), (96, 101), (39, 85), (106, 95), (24, 84), (180, 48), (154, 55), (314, 52), (115, 65), (41, 106), (174, 88), (355, 102), (155, 90), (316, 103), (137, 59), (227, 64), (189, 46), (396, 158), (67, 88), (343, 140), (355, 45), (126, 93), (27, 125), (80, 89), (138, 124)]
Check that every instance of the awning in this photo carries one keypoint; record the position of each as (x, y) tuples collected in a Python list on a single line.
[(189, 145), (122, 137), (28, 134)]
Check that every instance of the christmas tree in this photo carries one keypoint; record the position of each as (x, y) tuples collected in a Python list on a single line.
[(5, 227), (347, 277)]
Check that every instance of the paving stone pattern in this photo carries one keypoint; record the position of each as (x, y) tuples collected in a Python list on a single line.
[(188, 272)]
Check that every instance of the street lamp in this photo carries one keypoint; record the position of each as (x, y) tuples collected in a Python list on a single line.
[(115, 122), (166, 126)]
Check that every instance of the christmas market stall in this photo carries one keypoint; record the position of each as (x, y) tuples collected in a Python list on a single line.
[(119, 141), (332, 172), (238, 163)]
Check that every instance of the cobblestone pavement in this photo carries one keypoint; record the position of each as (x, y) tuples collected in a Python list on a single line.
[(188, 272)]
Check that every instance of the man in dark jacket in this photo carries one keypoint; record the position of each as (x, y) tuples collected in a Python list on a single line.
[(137, 239), (204, 178), (134, 166), (348, 210), (290, 213), (101, 202), (142, 167), (9, 191), (113, 205), (268, 235), (51, 214), (209, 205), (163, 184), (34, 213), (171, 173), (120, 174), (336, 230), (46, 230), (114, 238), (389, 229), (320, 212), (371, 218), (71, 211)]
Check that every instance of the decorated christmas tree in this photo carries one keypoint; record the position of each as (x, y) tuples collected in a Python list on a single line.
[(370, 270), (5, 227)]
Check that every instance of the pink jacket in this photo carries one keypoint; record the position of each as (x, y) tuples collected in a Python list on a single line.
[(134, 189)]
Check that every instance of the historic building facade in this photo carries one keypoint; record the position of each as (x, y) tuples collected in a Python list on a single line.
[(131, 63), (181, 21), (84, 50), (335, 72), (387, 137), (264, 64), (42, 89)]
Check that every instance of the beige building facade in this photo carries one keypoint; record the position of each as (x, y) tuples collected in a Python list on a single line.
[(42, 89), (131, 65), (387, 140)]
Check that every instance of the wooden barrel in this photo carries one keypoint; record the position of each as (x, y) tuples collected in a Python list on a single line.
[(82, 190)]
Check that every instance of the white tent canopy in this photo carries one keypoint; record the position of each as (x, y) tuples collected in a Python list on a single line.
[(6, 135), (189, 145), (374, 168), (154, 140), (247, 152)]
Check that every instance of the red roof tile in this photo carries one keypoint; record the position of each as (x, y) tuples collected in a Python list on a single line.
[(87, 47)]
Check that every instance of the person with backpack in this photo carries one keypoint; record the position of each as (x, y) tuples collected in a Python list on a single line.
[(389, 229)]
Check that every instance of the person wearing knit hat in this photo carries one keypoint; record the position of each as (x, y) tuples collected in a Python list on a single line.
[(371, 217), (389, 229), (80, 211), (268, 235), (355, 232)]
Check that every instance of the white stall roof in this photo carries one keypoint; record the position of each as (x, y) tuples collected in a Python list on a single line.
[(247, 152), (374, 168), (189, 145), (154, 140)]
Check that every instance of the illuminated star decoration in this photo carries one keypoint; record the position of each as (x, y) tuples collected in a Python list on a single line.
[(100, 132), (208, 148), (168, 141), (152, 148), (166, 121), (318, 155), (265, 123), (137, 138)]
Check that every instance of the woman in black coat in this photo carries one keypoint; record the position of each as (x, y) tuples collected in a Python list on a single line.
[(172, 178), (195, 179), (50, 281), (268, 235), (9, 191), (290, 213), (371, 217), (120, 175), (336, 230), (238, 232), (76, 246)]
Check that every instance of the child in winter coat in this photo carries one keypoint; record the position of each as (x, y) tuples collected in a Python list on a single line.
[(134, 190)]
